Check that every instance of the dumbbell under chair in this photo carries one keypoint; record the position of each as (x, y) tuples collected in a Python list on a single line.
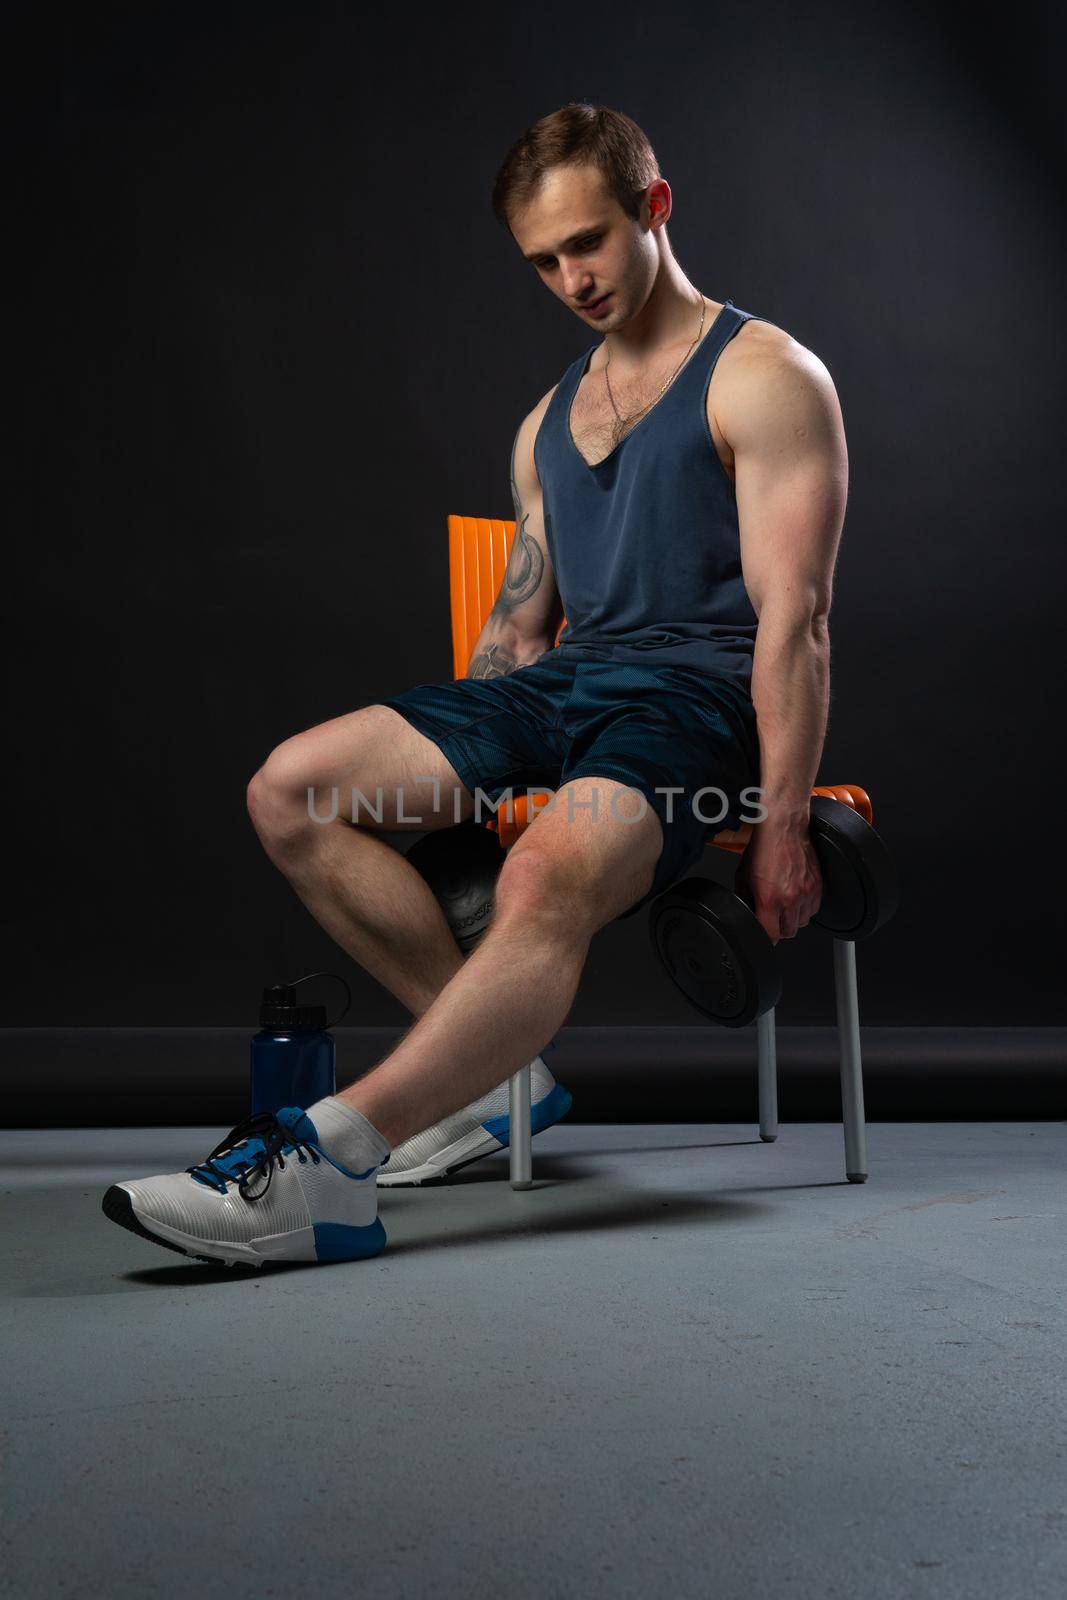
[(709, 940)]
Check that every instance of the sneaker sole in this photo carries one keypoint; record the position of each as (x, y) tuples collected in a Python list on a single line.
[(325, 1241), (487, 1139)]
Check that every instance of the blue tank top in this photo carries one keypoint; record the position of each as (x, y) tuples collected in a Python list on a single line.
[(645, 544)]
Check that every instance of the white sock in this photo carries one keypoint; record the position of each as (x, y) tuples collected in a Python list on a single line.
[(345, 1134)]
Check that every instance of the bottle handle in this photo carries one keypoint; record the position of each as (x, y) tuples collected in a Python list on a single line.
[(337, 977)]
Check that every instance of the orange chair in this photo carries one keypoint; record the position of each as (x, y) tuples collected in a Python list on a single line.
[(478, 550)]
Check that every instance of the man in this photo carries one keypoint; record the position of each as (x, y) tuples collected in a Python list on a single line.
[(679, 494)]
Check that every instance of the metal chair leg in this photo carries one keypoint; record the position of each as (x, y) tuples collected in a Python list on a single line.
[(767, 1062), (848, 1036), (520, 1137)]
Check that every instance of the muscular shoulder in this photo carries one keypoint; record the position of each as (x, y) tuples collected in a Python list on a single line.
[(523, 453), (767, 385)]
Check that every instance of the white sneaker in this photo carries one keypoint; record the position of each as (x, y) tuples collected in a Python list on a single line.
[(268, 1192), (478, 1130)]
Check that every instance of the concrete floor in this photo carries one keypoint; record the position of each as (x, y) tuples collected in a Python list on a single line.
[(686, 1363)]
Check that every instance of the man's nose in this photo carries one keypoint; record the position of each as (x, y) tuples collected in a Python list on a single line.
[(576, 281)]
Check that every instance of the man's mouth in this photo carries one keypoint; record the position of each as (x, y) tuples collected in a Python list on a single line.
[(596, 305)]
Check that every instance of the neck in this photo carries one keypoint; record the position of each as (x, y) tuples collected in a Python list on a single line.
[(670, 316)]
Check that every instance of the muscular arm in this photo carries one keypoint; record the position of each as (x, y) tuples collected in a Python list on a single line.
[(527, 611), (782, 419)]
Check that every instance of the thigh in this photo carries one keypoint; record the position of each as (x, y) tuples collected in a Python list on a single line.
[(588, 855), (686, 740), (496, 734), (430, 757), (368, 766)]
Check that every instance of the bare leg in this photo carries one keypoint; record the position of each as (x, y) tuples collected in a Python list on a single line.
[(378, 909), (376, 906), (479, 1020), (561, 881), (512, 994)]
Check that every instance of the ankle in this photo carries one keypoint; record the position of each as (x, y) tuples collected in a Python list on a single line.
[(347, 1135)]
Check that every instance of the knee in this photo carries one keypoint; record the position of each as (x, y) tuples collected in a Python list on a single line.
[(277, 794), (534, 887)]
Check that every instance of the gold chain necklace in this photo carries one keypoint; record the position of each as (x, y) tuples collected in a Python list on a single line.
[(670, 380)]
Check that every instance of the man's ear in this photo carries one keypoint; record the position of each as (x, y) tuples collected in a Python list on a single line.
[(659, 201)]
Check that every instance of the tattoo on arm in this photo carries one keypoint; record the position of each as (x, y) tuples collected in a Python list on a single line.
[(526, 563), (522, 578), (492, 662), (525, 569)]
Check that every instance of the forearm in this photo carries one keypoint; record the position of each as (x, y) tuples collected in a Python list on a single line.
[(791, 695), (500, 648)]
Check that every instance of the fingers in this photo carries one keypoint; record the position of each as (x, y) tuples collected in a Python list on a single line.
[(768, 912), (784, 913), (782, 909)]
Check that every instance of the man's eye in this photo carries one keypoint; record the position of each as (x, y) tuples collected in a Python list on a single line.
[(583, 244)]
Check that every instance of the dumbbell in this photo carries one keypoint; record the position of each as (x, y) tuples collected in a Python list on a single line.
[(461, 865), (719, 954)]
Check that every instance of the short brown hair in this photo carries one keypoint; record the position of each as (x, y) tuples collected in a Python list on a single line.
[(577, 134)]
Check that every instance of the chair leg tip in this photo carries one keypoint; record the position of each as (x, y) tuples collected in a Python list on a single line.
[(522, 1183), (856, 1177), (768, 1138)]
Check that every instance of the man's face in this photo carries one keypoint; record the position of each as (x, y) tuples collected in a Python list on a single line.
[(586, 249)]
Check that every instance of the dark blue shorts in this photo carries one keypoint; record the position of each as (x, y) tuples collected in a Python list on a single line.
[(650, 727)]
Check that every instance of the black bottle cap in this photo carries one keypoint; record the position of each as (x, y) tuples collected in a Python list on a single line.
[(280, 1010)]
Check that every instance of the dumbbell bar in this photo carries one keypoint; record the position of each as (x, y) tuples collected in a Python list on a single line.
[(718, 952)]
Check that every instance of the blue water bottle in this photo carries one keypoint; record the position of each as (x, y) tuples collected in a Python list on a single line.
[(293, 1058)]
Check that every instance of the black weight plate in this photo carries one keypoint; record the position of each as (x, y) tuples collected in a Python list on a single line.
[(860, 886), (716, 950), (461, 866)]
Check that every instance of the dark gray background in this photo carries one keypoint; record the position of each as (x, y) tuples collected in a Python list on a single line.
[(275, 336)]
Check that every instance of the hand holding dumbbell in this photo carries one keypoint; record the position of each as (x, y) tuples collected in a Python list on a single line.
[(718, 952)]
